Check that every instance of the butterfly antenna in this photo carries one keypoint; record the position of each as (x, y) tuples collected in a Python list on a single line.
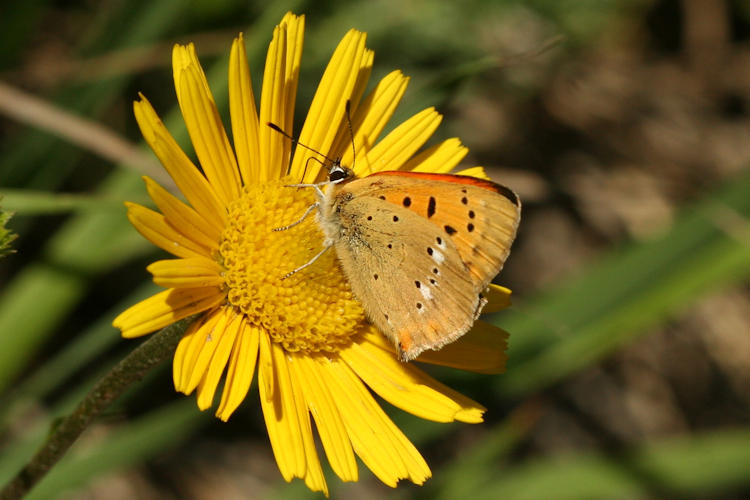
[(348, 109), (295, 141)]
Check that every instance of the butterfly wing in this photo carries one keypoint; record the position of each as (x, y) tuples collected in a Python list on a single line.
[(480, 216), (412, 258), (408, 277)]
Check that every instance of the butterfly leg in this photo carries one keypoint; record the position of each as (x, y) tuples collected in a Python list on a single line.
[(300, 268), (307, 212), (318, 191)]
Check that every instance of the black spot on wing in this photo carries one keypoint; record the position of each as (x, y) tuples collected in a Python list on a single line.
[(431, 205)]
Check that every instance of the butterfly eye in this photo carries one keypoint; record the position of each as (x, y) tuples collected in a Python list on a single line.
[(337, 173)]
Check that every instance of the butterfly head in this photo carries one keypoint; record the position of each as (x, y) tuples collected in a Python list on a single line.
[(338, 173)]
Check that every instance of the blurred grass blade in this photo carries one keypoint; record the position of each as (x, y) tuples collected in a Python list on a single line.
[(26, 161), (629, 291), (28, 202), (89, 135), (134, 443), (671, 468), (470, 471)]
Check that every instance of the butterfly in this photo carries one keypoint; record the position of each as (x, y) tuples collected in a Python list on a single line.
[(418, 249)]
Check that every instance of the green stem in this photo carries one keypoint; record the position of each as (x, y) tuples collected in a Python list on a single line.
[(130, 370)]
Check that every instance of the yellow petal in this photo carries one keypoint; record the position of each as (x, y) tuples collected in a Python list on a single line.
[(376, 439), (154, 227), (406, 387), (243, 113), (179, 354), (204, 351), (314, 473), (368, 121), (481, 350), (295, 37), (342, 144), (165, 308), (224, 340), (265, 365), (241, 370), (328, 105), (440, 158), (498, 298), (477, 172), (204, 124), (403, 141), (280, 412), (272, 108), (186, 273), (363, 77), (190, 348), (183, 218), (188, 178), (328, 421)]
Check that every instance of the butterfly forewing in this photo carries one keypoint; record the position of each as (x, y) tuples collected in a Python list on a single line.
[(480, 217)]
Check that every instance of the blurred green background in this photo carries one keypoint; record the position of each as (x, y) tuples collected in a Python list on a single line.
[(623, 125)]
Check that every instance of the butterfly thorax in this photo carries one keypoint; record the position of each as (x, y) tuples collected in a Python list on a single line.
[(333, 198)]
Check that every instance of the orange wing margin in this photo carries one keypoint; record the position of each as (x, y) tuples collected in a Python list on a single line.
[(458, 179)]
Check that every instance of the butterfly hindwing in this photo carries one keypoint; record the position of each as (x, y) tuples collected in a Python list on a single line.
[(408, 275)]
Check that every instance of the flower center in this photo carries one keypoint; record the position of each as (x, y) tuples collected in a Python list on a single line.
[(314, 309)]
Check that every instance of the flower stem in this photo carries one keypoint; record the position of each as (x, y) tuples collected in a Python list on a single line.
[(158, 348)]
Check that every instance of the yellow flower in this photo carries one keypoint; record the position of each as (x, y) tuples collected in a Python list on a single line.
[(308, 338)]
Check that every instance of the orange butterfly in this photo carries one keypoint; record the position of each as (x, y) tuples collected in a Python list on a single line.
[(418, 249)]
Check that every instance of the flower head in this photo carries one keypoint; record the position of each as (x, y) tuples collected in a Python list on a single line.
[(306, 336)]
